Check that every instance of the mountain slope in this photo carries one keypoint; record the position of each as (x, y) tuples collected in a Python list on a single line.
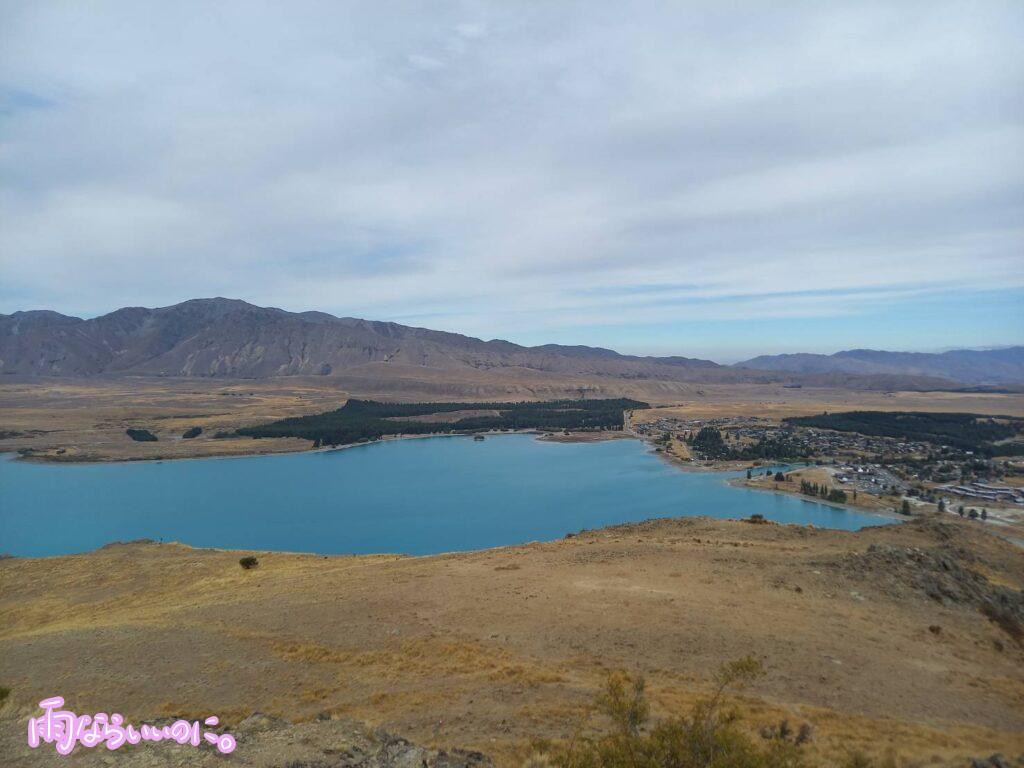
[(231, 338), (993, 366), (225, 337)]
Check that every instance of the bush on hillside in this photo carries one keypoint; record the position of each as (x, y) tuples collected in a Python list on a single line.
[(709, 736)]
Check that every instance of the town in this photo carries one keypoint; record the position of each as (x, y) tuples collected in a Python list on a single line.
[(880, 472)]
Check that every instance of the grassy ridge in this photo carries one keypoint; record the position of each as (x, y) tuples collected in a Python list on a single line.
[(360, 420)]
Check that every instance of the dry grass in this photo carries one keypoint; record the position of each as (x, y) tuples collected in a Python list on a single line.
[(776, 403), (85, 419), (490, 649)]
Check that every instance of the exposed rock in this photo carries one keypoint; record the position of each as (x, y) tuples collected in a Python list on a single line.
[(941, 575), (264, 741), (258, 722)]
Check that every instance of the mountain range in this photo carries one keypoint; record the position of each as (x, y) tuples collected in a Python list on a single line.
[(232, 338), (969, 366)]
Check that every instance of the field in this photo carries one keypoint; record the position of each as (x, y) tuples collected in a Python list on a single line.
[(489, 649), (777, 403), (86, 419)]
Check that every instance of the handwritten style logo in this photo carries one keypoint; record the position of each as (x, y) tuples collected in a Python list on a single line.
[(66, 729)]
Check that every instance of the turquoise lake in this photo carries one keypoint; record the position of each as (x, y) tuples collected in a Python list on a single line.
[(405, 496)]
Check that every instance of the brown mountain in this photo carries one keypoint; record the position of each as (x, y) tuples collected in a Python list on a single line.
[(231, 338), (970, 366)]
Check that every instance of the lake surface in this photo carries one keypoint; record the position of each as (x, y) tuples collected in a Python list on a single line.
[(411, 496)]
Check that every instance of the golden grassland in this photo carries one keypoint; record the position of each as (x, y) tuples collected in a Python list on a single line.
[(492, 649)]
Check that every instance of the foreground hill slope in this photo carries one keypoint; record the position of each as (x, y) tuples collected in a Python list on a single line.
[(903, 638), (991, 366), (230, 338)]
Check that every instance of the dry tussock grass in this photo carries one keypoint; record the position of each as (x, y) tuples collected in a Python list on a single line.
[(425, 658)]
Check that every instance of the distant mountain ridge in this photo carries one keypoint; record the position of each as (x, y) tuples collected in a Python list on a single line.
[(969, 366), (234, 339)]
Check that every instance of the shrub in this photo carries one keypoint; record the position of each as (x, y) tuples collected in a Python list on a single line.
[(141, 435), (4, 693), (708, 737), (248, 562), (857, 760), (783, 732), (860, 760), (192, 432)]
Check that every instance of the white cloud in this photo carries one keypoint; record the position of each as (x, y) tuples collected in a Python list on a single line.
[(470, 30), (498, 166)]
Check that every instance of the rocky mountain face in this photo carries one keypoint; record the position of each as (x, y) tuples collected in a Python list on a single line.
[(231, 338), (224, 337), (993, 366)]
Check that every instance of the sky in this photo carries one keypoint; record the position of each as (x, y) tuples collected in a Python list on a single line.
[(717, 179)]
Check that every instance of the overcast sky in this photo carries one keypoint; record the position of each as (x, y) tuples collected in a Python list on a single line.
[(714, 179)]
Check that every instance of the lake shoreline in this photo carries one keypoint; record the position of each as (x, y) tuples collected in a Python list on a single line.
[(407, 497), (741, 482), (546, 437)]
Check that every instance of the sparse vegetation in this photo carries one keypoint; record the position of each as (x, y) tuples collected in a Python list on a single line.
[(709, 736)]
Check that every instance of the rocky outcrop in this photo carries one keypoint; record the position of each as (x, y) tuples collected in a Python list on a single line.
[(263, 741), (943, 574)]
